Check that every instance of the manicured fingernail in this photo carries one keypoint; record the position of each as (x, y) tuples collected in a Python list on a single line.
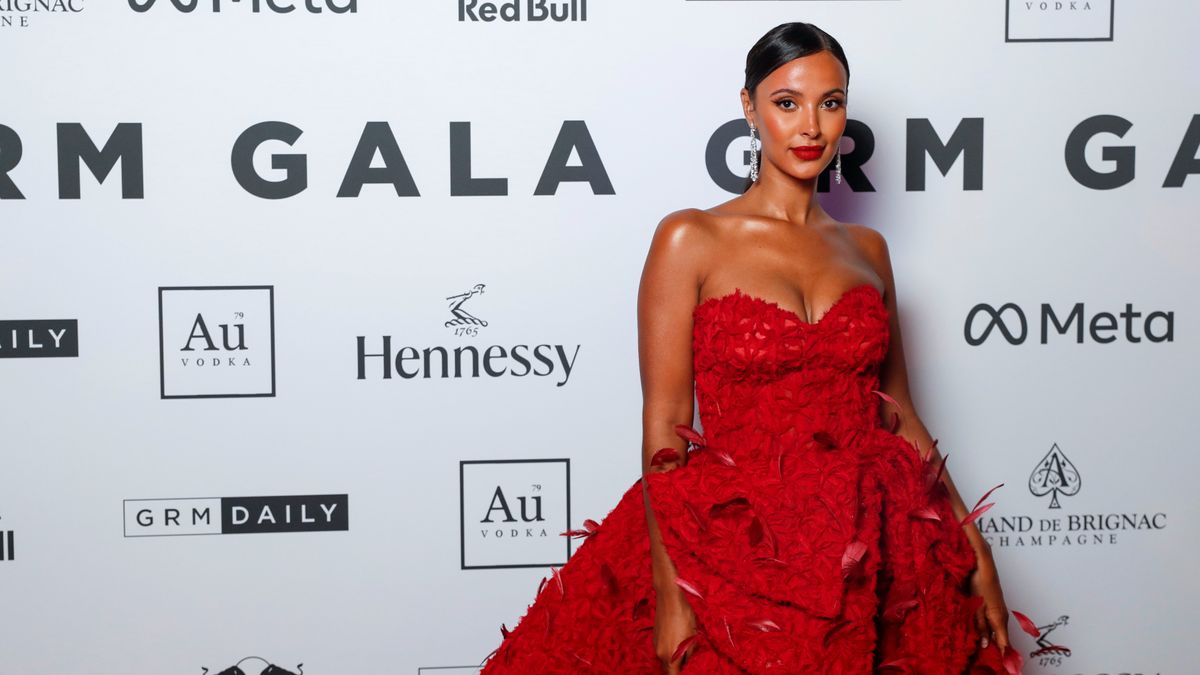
[(985, 642)]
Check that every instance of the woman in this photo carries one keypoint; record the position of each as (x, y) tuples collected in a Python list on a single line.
[(812, 528)]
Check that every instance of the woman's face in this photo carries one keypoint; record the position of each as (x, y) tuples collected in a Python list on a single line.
[(801, 104)]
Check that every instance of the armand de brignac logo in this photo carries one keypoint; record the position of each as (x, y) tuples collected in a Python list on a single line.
[(464, 323), (1054, 475), (271, 668)]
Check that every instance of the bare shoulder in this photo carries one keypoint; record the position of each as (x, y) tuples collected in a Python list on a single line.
[(870, 241), (872, 245), (686, 236)]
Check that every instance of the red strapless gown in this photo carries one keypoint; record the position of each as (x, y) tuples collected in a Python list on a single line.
[(810, 538)]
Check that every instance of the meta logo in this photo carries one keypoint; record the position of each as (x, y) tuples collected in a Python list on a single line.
[(216, 341), (535, 11), (1010, 323), (36, 338), (256, 6), (513, 512), (1058, 20), (236, 515)]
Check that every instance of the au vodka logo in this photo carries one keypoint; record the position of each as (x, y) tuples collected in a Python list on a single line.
[(236, 515), (513, 512), (1059, 20), (216, 341)]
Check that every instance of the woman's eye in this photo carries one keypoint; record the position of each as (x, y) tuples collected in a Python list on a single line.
[(835, 101), (783, 101)]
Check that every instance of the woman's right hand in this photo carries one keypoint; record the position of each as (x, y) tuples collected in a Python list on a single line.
[(674, 622)]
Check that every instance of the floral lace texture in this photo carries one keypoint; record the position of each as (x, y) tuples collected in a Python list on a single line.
[(806, 537)]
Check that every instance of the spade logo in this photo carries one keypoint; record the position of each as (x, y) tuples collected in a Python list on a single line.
[(1054, 475)]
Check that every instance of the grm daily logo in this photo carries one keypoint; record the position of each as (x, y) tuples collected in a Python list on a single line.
[(236, 515), (39, 338)]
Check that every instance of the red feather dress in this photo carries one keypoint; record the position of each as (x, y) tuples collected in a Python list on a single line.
[(807, 537)]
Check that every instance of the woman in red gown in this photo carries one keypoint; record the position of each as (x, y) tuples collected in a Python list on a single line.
[(811, 527)]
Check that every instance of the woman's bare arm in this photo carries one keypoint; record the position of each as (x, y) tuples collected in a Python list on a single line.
[(894, 379), (667, 296)]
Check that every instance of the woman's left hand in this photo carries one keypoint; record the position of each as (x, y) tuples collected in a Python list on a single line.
[(992, 616)]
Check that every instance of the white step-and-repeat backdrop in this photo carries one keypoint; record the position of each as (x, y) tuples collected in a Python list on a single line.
[(355, 282)]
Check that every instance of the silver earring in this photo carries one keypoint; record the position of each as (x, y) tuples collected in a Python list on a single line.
[(837, 167), (753, 155)]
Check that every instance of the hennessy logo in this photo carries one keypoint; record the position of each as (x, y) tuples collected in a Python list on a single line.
[(1046, 648), (461, 316), (1054, 475)]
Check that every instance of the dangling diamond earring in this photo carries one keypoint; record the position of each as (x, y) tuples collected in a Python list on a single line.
[(753, 155), (837, 167)]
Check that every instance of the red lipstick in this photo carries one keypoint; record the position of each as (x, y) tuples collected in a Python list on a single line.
[(808, 153)]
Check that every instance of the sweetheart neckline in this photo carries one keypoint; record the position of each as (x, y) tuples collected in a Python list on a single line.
[(770, 303)]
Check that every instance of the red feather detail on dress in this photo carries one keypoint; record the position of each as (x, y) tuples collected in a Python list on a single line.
[(689, 588), (976, 513), (985, 496), (764, 625), (897, 610), (1012, 660), (722, 456), (683, 645), (690, 435), (557, 577), (590, 527), (885, 397), (930, 451), (901, 664), (691, 509), (1026, 624), (663, 456), (925, 512), (736, 505), (852, 559), (641, 609)]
